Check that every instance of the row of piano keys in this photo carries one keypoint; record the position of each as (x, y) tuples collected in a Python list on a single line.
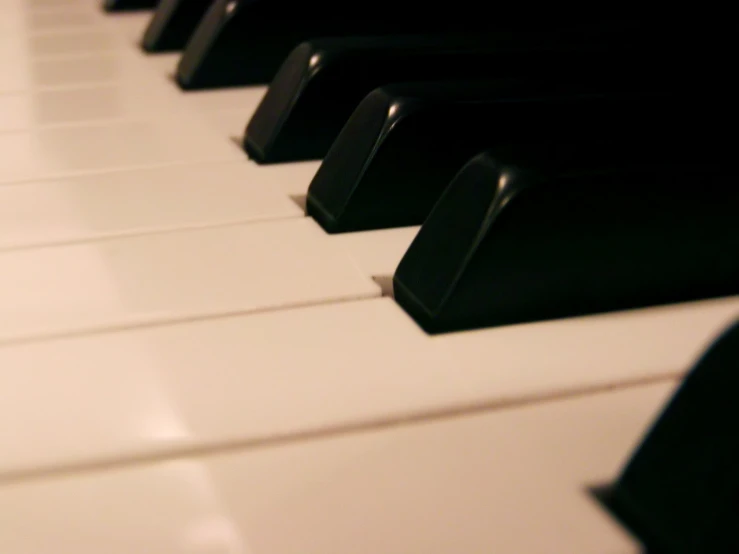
[(191, 365)]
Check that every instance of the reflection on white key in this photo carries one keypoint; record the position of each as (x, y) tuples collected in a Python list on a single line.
[(136, 202), (508, 481), (46, 153), (172, 276), (287, 373)]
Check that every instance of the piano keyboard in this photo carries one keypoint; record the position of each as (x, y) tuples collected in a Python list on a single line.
[(190, 364)]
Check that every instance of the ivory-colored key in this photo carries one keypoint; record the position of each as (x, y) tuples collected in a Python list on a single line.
[(52, 152), (82, 104), (166, 277), (71, 43), (67, 19), (293, 373), (29, 74), (378, 252), (129, 27), (511, 481), (78, 209)]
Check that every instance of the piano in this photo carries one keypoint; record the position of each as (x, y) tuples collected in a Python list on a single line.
[(191, 364)]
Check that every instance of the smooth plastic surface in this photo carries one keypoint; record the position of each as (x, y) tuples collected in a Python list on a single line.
[(404, 143), (512, 481), (187, 274), (322, 81), (509, 243), (678, 491), (172, 24)]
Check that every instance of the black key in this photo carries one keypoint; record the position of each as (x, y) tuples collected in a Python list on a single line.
[(241, 43), (678, 493), (128, 5), (173, 23), (555, 237), (322, 81), (404, 143)]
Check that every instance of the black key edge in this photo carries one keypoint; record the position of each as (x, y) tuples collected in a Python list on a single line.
[(480, 190), (205, 34), (306, 107), (172, 25), (274, 109), (358, 138), (678, 492), (507, 245)]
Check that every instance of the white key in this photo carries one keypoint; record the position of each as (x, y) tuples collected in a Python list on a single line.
[(162, 65), (71, 43), (231, 99), (15, 50), (47, 153), (82, 104), (129, 27), (52, 20), (15, 112), (135, 202), (23, 19), (292, 178), (61, 4), (29, 73), (87, 69), (512, 481), (24, 52), (379, 252), (167, 277), (228, 110), (290, 373), (16, 73)]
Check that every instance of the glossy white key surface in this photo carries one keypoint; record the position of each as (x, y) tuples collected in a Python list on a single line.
[(231, 124), (291, 373), (64, 72), (15, 112), (50, 152), (228, 110), (59, 4), (226, 99), (292, 178), (510, 481), (81, 104), (163, 67), (379, 252), (170, 276), (83, 69), (73, 19), (135, 202), (53, 45), (129, 27)]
